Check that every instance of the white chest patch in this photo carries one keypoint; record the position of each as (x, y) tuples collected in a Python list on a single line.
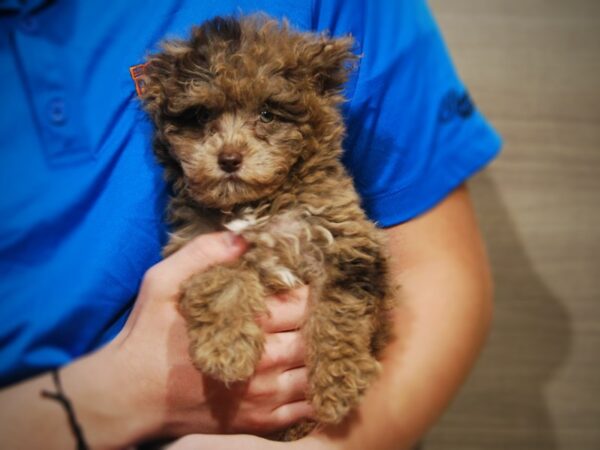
[(286, 276), (239, 225)]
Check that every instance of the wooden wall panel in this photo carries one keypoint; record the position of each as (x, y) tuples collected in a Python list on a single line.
[(533, 67)]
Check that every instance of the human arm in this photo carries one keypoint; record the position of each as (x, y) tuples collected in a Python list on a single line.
[(440, 324), (142, 385)]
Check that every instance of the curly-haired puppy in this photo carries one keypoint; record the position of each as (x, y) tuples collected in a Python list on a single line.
[(249, 131)]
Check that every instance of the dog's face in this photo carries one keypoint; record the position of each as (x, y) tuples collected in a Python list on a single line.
[(241, 103)]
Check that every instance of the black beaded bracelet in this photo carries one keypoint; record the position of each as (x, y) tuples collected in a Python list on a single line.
[(61, 398)]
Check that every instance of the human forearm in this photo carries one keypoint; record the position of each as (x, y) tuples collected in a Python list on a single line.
[(422, 370), (99, 395), (440, 325), (27, 421)]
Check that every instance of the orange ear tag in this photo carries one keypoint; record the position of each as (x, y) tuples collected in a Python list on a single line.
[(137, 73)]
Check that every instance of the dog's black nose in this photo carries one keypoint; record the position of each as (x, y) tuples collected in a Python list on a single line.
[(230, 161)]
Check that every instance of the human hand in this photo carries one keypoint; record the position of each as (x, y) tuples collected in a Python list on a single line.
[(225, 442), (248, 442), (145, 385)]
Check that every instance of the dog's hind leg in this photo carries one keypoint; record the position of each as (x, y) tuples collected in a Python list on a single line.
[(341, 367), (220, 306)]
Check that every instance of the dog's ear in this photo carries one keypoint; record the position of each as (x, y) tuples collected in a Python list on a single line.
[(329, 62), (182, 60), (158, 85), (158, 72)]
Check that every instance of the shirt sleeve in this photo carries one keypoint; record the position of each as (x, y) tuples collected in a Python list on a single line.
[(413, 132)]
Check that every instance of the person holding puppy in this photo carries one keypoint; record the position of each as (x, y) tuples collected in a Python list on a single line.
[(82, 225)]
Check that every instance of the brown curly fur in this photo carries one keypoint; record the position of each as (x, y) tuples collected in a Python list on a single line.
[(254, 88)]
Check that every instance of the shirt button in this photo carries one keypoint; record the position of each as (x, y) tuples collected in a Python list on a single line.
[(57, 111), (29, 24)]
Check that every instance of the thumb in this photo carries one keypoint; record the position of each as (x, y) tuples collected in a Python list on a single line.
[(196, 256)]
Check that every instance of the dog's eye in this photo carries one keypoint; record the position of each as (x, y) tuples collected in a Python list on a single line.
[(203, 115), (192, 117), (266, 116), (185, 118)]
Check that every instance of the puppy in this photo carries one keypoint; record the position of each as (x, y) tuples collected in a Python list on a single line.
[(248, 128)]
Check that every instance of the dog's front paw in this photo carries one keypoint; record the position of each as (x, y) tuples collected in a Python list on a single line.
[(337, 386), (220, 306), (228, 354)]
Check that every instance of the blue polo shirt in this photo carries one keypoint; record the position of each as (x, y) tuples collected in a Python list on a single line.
[(81, 209)]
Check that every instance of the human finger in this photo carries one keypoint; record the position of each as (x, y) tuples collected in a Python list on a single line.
[(197, 255), (291, 413), (287, 310), (284, 350), (280, 388), (295, 383)]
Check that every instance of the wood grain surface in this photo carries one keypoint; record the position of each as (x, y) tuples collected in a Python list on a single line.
[(533, 67)]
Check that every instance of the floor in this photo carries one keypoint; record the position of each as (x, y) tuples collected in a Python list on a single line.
[(533, 67)]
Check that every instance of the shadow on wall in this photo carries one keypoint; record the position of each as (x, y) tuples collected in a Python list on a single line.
[(504, 404)]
